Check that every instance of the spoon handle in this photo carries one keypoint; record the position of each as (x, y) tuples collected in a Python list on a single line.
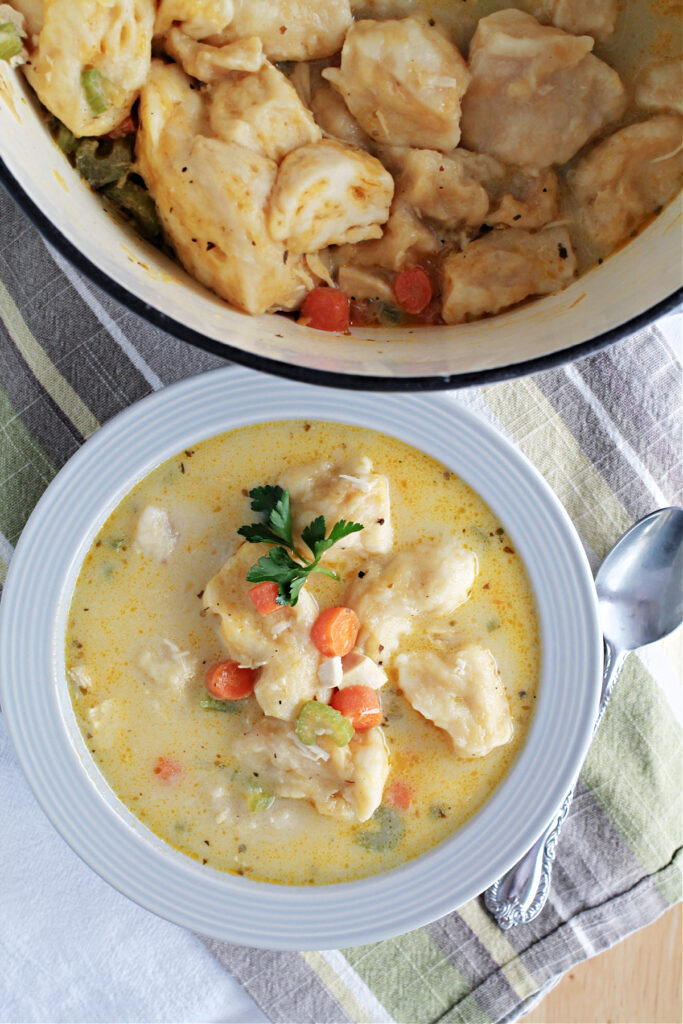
[(520, 894)]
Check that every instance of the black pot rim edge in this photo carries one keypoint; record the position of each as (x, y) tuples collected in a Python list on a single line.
[(304, 374)]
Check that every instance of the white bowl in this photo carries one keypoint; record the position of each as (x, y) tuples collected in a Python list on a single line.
[(111, 840), (632, 288)]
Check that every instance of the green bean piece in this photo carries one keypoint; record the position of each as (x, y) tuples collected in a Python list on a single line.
[(66, 140), (386, 831), (317, 719), (10, 41), (94, 86), (232, 707), (138, 204), (103, 162), (390, 316)]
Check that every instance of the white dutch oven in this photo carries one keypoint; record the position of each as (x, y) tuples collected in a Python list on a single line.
[(632, 288)]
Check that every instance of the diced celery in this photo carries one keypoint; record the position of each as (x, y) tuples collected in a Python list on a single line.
[(10, 41), (318, 719), (386, 831), (94, 86), (231, 707), (138, 204), (259, 799), (103, 162)]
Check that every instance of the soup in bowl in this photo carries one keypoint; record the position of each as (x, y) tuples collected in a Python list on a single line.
[(429, 703), (322, 740)]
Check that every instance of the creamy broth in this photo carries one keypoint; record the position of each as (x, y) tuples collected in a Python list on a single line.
[(125, 604)]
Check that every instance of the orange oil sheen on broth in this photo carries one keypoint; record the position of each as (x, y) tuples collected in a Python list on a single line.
[(123, 604)]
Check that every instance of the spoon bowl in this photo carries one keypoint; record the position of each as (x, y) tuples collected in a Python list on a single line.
[(640, 583)]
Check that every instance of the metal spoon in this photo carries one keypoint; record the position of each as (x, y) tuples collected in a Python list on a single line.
[(640, 594)]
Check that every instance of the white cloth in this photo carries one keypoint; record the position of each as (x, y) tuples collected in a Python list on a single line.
[(73, 949)]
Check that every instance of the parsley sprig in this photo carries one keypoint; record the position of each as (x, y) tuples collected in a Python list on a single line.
[(285, 564)]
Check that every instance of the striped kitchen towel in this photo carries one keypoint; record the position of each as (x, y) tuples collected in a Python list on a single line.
[(605, 433)]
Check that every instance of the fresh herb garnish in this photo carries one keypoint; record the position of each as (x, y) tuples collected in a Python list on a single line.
[(289, 571)]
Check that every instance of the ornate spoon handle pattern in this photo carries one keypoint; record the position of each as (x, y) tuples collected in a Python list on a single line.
[(520, 894)]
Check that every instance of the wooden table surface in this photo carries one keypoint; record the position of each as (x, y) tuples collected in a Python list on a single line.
[(638, 981)]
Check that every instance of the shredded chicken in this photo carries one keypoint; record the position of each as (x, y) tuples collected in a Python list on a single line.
[(347, 784), (167, 666), (155, 537)]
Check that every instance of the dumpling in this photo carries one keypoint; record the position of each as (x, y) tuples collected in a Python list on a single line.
[(278, 644), (446, 188), (212, 197), (335, 118), (597, 18), (32, 11), (660, 87), (290, 29), (626, 178), (349, 490), (197, 18), (403, 82), (343, 782), (464, 189), (523, 197), (461, 692), (263, 112), (328, 193), (504, 267), (405, 240), (430, 579), (212, 63), (112, 41), (537, 94)]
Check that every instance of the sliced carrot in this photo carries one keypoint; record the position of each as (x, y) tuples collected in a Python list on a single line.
[(360, 704), (264, 597), (334, 632), (166, 768), (399, 794), (227, 680), (413, 290), (326, 309)]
